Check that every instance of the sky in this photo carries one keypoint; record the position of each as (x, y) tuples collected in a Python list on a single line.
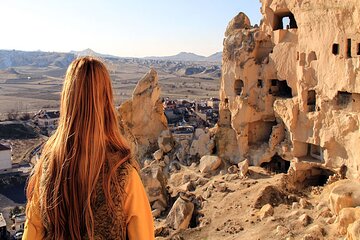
[(126, 28)]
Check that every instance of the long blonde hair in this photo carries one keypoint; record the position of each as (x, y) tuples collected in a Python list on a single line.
[(74, 158)]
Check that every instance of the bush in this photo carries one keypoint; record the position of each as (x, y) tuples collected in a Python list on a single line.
[(12, 115), (25, 116)]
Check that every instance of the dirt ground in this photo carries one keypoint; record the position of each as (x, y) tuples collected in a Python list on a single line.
[(29, 89), (229, 213)]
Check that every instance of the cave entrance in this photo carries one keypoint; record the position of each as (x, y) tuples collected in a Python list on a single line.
[(311, 101), (259, 132), (280, 89), (358, 49), (276, 165), (238, 87), (284, 20), (317, 176)]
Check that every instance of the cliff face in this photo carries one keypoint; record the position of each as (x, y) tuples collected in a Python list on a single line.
[(290, 89)]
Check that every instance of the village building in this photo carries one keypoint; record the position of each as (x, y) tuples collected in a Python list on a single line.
[(5, 158)]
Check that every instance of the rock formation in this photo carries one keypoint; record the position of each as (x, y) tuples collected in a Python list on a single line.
[(290, 89), (142, 118)]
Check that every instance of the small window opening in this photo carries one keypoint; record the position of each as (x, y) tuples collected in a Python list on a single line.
[(260, 83), (276, 165), (344, 99), (239, 85), (335, 49), (316, 152), (348, 50), (280, 89), (284, 21), (311, 100), (358, 49)]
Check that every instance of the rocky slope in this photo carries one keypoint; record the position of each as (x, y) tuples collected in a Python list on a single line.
[(282, 162)]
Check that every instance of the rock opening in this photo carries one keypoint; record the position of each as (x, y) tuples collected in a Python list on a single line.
[(260, 131), (311, 100), (284, 20), (276, 165), (343, 99), (335, 49), (317, 177), (280, 89), (348, 48), (238, 87)]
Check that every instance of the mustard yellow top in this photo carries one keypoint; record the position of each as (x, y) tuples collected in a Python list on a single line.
[(139, 220)]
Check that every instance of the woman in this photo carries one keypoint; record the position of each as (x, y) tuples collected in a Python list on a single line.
[(85, 185)]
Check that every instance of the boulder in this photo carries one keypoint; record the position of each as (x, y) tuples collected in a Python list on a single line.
[(266, 211), (243, 167), (353, 231), (155, 185), (209, 163), (166, 141), (272, 195), (203, 144), (180, 214), (346, 193), (346, 217), (182, 151), (305, 220), (158, 154), (314, 233)]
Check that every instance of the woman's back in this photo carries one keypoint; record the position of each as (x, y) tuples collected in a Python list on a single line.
[(78, 186)]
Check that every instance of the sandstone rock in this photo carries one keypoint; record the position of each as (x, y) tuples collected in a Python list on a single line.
[(142, 118), (266, 211), (155, 184), (233, 169), (305, 220), (166, 141), (276, 78), (158, 154), (166, 159), (202, 145), (243, 167), (346, 217), (345, 194), (281, 230), (209, 163), (304, 204), (295, 205), (314, 233), (353, 231), (239, 22), (180, 214), (270, 195)]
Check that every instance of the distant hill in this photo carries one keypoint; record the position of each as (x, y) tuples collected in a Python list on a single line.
[(90, 52), (14, 58), (190, 57)]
